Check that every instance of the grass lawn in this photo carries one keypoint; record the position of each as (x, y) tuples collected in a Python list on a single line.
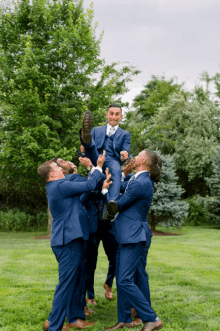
[(184, 274)]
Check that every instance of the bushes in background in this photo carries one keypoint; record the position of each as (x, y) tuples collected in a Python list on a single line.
[(17, 220)]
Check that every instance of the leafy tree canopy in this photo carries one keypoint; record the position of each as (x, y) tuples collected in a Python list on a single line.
[(155, 95), (50, 73)]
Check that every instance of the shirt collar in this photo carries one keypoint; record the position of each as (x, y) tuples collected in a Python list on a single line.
[(109, 126), (140, 172)]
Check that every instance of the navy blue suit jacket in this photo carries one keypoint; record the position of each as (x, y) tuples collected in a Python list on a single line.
[(121, 141), (70, 219), (91, 201), (131, 225)]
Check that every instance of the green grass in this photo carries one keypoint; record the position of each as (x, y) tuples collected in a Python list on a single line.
[(184, 274)]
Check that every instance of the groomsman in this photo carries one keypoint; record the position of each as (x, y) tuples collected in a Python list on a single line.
[(69, 230), (133, 236)]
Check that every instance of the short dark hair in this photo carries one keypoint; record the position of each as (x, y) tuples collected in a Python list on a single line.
[(54, 159), (155, 164), (44, 170), (115, 105)]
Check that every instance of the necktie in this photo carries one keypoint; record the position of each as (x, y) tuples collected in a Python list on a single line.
[(111, 131)]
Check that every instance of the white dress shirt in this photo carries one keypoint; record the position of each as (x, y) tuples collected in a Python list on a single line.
[(109, 128)]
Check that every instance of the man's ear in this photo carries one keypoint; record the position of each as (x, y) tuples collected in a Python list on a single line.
[(51, 174)]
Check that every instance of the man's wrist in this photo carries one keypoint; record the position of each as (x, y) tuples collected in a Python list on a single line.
[(96, 168), (104, 191), (90, 167)]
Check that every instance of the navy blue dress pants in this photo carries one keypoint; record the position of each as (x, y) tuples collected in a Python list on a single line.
[(69, 258), (106, 233), (141, 278), (78, 301), (130, 271), (93, 246)]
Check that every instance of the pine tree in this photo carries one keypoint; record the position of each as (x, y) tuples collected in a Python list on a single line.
[(167, 206)]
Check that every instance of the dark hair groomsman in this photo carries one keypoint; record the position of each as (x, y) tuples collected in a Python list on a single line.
[(133, 236), (69, 230)]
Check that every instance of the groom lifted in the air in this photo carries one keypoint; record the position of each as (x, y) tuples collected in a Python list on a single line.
[(110, 138)]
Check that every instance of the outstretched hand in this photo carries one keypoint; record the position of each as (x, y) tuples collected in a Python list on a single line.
[(85, 161), (101, 160), (82, 149), (124, 155), (127, 169), (107, 181)]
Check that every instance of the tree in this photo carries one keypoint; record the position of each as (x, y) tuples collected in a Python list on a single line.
[(155, 95), (167, 206), (188, 130), (212, 201), (50, 73)]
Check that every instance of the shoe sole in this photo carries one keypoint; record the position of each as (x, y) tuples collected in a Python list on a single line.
[(87, 126), (112, 209)]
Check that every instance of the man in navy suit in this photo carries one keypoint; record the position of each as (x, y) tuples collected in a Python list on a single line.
[(69, 230), (133, 236), (110, 138), (106, 233)]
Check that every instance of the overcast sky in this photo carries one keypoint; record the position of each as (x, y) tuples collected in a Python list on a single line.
[(160, 37)]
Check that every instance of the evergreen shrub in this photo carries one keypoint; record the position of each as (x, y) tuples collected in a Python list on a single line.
[(168, 207), (197, 211)]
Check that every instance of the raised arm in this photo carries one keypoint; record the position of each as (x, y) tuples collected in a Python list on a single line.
[(131, 195), (69, 188)]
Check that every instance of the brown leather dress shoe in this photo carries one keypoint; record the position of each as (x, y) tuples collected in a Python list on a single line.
[(65, 328), (151, 326), (80, 324), (88, 311), (92, 301), (136, 322), (121, 325), (108, 292), (46, 325), (133, 313), (86, 127)]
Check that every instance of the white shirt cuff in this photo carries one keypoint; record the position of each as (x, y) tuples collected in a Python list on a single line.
[(104, 191), (122, 176), (96, 168)]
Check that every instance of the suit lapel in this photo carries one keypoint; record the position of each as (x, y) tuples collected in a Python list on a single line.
[(100, 137), (117, 135)]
